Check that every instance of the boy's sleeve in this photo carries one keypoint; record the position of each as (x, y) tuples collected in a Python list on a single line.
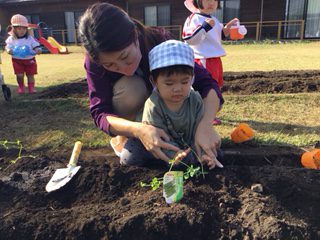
[(152, 114), (195, 30)]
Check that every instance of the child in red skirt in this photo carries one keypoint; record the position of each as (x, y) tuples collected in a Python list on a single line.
[(23, 49), (202, 31)]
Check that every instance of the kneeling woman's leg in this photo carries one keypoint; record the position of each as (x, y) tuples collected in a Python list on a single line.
[(135, 154), (129, 95)]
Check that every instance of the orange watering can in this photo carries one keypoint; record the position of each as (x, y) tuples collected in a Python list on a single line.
[(311, 159), (237, 32), (242, 133)]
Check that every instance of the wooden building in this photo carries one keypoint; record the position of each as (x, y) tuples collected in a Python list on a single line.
[(271, 19)]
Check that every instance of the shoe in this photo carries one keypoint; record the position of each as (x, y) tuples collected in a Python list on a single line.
[(21, 90), (6, 92), (216, 121), (116, 146), (31, 88)]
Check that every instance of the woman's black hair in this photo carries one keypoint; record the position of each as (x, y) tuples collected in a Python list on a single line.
[(198, 4), (106, 28)]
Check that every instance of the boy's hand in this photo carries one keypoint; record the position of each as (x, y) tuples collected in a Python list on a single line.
[(210, 21), (10, 51), (181, 155)]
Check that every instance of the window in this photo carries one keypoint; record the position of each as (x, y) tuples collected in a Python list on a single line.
[(33, 18), (313, 19), (294, 11), (231, 9), (158, 15), (219, 12), (71, 21)]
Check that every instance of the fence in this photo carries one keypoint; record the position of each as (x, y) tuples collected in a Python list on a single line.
[(256, 31), (275, 29)]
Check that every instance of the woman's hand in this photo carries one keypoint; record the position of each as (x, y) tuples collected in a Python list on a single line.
[(207, 141), (154, 139)]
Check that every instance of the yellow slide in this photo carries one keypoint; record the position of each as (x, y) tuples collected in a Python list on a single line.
[(53, 42)]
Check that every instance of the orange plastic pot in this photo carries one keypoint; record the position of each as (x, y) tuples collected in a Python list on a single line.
[(242, 133), (235, 35), (311, 159)]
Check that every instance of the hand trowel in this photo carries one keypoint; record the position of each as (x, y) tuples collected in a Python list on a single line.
[(63, 175)]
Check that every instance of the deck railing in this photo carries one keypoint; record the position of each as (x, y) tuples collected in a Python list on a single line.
[(256, 31)]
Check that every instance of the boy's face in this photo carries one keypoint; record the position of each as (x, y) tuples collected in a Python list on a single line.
[(174, 89), (20, 31)]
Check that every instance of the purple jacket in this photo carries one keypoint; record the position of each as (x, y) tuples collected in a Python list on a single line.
[(100, 85)]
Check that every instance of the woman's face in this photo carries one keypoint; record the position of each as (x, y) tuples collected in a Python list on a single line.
[(125, 61)]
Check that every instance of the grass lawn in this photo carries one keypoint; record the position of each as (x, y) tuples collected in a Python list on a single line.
[(277, 119), (269, 57)]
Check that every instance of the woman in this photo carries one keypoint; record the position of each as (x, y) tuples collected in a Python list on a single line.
[(118, 80)]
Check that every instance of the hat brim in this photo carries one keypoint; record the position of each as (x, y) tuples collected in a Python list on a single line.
[(20, 25), (189, 5)]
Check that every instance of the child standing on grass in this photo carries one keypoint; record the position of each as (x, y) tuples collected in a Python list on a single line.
[(23, 62), (173, 105), (202, 32)]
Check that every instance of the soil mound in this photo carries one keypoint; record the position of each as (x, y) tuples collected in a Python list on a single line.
[(104, 200), (271, 82), (235, 83)]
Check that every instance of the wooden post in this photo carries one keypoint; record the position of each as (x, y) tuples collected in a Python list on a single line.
[(257, 31), (302, 30), (279, 30), (75, 37), (63, 37)]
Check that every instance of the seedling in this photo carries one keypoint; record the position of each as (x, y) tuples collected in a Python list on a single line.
[(7, 145), (190, 172)]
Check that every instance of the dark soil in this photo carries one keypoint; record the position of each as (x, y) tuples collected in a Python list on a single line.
[(104, 200), (271, 82), (234, 83)]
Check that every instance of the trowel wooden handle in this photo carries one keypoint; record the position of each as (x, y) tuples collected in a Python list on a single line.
[(75, 154)]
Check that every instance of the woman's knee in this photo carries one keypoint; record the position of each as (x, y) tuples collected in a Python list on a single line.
[(129, 95), (134, 153)]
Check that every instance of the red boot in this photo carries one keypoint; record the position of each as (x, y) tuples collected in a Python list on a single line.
[(31, 87), (21, 87)]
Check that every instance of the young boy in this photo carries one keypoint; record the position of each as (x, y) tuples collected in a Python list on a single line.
[(173, 105)]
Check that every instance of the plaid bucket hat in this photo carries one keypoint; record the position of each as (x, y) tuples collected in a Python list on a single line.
[(170, 53)]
